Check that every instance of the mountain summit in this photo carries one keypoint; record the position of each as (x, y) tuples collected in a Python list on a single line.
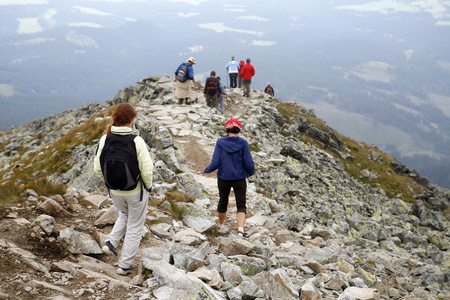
[(328, 218)]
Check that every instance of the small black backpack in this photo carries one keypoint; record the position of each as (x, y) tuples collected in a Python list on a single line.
[(119, 164), (212, 87), (183, 73)]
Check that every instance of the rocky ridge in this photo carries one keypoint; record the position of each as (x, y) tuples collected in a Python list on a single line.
[(315, 231)]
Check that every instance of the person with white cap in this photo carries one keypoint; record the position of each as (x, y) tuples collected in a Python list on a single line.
[(234, 162), (183, 75)]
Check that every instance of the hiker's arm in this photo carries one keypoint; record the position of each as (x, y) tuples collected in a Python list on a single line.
[(97, 167), (206, 84), (214, 165), (249, 165), (145, 162)]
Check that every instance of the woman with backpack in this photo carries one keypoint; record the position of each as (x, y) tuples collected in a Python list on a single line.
[(183, 76), (120, 152)]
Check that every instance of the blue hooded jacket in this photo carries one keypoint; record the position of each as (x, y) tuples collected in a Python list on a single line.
[(233, 159)]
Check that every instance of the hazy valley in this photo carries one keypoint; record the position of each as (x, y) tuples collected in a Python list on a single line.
[(378, 71)]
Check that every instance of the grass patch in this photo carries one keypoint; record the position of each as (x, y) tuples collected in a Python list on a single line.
[(392, 183), (42, 186), (12, 192), (287, 111), (54, 158), (9, 193), (175, 197), (32, 171), (255, 147)]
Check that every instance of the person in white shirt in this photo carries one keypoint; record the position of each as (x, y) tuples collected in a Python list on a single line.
[(233, 71)]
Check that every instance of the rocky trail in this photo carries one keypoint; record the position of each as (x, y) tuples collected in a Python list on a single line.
[(315, 232)]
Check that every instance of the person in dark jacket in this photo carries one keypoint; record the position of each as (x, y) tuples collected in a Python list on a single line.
[(269, 90), (212, 90), (235, 163)]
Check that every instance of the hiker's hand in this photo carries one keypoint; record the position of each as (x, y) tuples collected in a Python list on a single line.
[(203, 171)]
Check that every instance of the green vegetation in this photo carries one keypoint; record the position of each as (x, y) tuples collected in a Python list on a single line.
[(287, 111), (254, 147), (173, 198), (9, 193), (392, 183), (32, 171)]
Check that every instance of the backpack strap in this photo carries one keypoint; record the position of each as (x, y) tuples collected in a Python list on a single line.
[(142, 190)]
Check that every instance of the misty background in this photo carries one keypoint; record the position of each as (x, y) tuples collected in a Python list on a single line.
[(377, 71)]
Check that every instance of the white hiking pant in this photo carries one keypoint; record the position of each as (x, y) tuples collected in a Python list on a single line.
[(132, 213)]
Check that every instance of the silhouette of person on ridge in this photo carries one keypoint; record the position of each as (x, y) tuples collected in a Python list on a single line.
[(269, 90)]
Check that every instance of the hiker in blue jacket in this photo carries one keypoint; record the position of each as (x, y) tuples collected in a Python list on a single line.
[(183, 89), (235, 163)]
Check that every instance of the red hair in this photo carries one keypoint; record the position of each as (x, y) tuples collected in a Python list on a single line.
[(123, 115)]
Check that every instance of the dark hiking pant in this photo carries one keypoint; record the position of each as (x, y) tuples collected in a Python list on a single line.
[(233, 80), (240, 191)]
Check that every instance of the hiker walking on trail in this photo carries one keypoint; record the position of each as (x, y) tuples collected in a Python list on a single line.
[(212, 90), (235, 163), (248, 71), (241, 64), (220, 103), (183, 75), (131, 200), (269, 90), (233, 71)]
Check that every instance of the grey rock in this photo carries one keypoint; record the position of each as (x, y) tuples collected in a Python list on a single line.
[(234, 245), (231, 273), (108, 217), (46, 223), (196, 218), (96, 201), (79, 242), (189, 237)]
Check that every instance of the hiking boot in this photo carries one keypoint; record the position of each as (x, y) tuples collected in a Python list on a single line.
[(109, 249), (124, 271)]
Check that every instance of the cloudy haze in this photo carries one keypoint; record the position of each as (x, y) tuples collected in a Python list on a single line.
[(342, 58)]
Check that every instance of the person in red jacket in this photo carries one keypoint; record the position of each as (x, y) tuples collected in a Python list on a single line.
[(241, 64), (248, 71)]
